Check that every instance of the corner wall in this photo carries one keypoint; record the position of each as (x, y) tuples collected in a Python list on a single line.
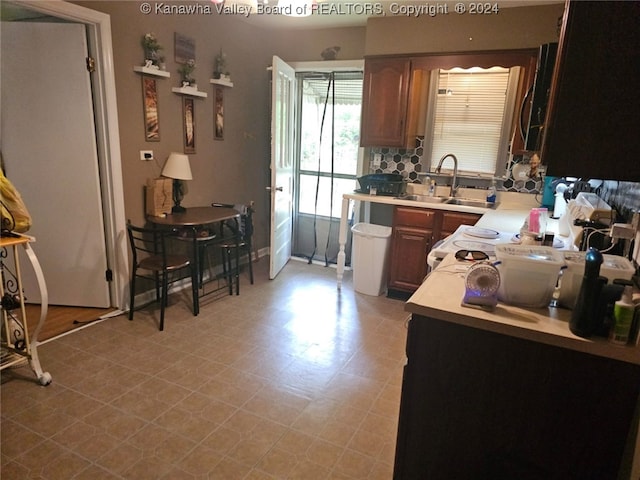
[(510, 28), (233, 170)]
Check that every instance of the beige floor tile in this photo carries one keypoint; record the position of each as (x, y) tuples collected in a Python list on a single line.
[(292, 379), (354, 464)]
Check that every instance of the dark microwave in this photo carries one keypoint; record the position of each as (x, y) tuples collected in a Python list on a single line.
[(534, 105)]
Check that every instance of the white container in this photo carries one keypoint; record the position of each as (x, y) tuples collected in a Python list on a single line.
[(613, 266), (528, 274), (369, 258)]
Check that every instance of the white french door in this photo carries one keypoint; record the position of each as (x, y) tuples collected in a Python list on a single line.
[(283, 87)]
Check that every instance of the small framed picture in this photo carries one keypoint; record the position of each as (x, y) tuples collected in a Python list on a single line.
[(189, 120), (218, 114), (150, 105), (184, 48)]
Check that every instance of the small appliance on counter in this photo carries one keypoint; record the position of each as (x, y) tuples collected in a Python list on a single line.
[(392, 184), (468, 237), (481, 284), (613, 268), (528, 274), (586, 212)]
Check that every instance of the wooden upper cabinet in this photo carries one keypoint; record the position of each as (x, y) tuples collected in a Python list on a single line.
[(593, 116), (396, 91), (385, 102)]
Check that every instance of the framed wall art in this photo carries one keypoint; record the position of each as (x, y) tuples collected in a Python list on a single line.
[(218, 114), (150, 104), (184, 48), (189, 121)]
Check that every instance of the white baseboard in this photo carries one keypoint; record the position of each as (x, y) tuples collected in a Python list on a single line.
[(149, 296)]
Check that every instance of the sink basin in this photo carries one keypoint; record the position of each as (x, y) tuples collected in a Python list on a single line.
[(471, 202), (423, 198)]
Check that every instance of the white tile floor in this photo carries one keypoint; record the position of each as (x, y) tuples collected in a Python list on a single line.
[(291, 379)]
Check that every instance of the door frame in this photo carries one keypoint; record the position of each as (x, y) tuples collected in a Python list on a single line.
[(99, 41), (323, 67)]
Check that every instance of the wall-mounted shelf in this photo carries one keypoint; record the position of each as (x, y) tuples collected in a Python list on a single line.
[(152, 71), (189, 91), (223, 82)]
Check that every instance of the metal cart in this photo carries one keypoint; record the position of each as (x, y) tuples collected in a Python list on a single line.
[(17, 346)]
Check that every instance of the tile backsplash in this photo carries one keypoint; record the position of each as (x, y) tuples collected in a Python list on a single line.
[(410, 164), (623, 196)]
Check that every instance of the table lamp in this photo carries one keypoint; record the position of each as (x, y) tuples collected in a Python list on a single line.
[(178, 168)]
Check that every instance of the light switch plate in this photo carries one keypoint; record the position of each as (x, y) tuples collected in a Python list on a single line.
[(377, 158), (146, 155)]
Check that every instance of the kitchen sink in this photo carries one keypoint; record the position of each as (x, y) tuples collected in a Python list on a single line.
[(423, 198), (470, 202)]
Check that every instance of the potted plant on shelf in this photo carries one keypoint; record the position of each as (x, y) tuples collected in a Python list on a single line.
[(186, 72), (152, 57), (220, 67)]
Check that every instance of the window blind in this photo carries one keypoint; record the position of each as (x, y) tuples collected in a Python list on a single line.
[(469, 111), (347, 86)]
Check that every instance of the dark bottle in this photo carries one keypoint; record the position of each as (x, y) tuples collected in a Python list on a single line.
[(584, 317)]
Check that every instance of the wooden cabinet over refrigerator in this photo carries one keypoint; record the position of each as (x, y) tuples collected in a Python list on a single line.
[(593, 118)]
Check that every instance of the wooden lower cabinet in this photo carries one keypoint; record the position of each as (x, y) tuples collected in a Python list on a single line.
[(415, 230), (479, 405), (452, 220)]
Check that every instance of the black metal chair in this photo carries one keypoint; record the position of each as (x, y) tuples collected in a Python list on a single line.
[(202, 237), (149, 252), (227, 240)]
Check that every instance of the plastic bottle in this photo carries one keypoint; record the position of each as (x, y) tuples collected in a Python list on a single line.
[(432, 188), (584, 320), (623, 312), (491, 192), (426, 185)]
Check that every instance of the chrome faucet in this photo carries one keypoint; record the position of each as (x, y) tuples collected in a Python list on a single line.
[(454, 187)]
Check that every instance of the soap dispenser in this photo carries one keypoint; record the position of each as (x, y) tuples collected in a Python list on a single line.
[(584, 317), (491, 192), (432, 188)]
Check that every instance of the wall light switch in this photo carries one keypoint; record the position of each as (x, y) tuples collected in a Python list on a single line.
[(377, 158), (146, 154)]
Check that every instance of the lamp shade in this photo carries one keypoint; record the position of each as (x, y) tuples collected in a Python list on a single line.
[(177, 167)]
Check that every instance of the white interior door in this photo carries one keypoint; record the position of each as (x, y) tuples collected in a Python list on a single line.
[(282, 142), (49, 148)]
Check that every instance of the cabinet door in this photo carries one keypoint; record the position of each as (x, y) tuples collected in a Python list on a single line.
[(384, 103), (517, 414), (593, 119), (409, 250), (452, 220), (411, 242)]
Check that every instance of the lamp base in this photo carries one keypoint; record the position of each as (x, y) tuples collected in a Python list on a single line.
[(178, 209)]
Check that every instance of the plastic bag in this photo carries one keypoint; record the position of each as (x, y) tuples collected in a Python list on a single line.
[(14, 214)]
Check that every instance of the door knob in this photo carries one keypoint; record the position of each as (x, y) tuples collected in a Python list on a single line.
[(277, 188)]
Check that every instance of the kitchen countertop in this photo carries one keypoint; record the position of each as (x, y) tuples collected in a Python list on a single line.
[(440, 298), (441, 294), (506, 201), (511, 210)]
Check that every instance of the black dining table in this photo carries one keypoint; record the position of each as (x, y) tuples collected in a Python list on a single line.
[(193, 219)]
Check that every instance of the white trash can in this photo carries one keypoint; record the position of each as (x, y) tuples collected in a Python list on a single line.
[(369, 258)]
